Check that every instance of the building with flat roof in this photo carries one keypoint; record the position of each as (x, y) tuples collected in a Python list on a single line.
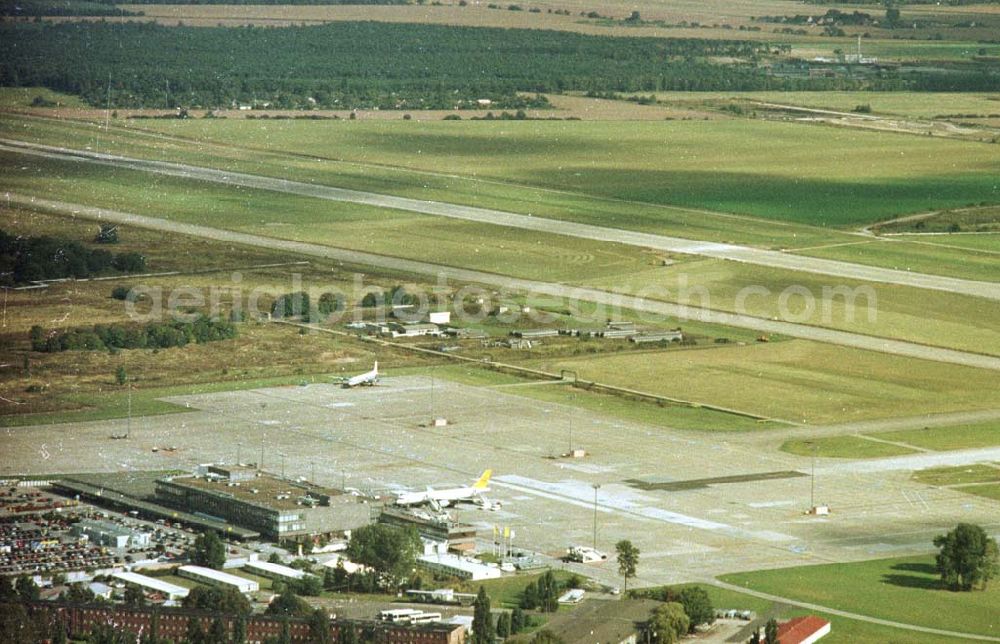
[(606, 622), (111, 535), (460, 537), (277, 508), (274, 571), (211, 577), (457, 566), (152, 584)]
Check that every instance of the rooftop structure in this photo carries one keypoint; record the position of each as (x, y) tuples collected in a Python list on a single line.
[(803, 630), (211, 577), (110, 534), (456, 566), (273, 570), (277, 508), (460, 537), (152, 584)]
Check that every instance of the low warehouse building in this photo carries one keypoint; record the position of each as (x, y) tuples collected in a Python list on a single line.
[(152, 584), (217, 578), (274, 571), (112, 535), (456, 566)]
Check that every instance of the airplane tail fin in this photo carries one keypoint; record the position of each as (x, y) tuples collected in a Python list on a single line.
[(376, 368), (483, 480)]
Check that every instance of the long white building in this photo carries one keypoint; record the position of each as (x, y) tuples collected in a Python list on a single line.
[(211, 577), (274, 571), (455, 566), (152, 584)]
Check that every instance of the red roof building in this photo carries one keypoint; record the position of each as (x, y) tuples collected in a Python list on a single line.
[(803, 630)]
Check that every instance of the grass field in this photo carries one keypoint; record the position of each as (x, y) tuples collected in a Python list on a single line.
[(932, 438), (904, 589), (372, 173), (830, 183), (962, 475), (798, 381), (844, 630), (935, 318), (988, 491), (946, 438), (922, 105), (843, 447)]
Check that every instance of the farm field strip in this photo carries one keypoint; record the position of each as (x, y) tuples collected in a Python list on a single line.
[(668, 310), (658, 242)]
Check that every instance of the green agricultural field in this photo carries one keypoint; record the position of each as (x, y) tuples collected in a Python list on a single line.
[(797, 380), (905, 590), (961, 475), (935, 255), (24, 97), (843, 447)]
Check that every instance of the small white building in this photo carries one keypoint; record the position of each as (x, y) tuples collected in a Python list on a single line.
[(112, 535), (439, 317), (152, 584), (461, 567), (216, 578)]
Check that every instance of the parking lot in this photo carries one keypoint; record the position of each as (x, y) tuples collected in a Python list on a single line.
[(380, 439)]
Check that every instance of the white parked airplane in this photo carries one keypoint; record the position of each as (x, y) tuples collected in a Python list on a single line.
[(366, 379), (472, 494)]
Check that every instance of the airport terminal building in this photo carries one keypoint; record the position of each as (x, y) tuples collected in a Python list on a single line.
[(278, 508)]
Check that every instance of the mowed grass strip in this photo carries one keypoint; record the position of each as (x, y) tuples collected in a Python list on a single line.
[(797, 380), (932, 438), (960, 475), (841, 178), (948, 438), (843, 447), (906, 590)]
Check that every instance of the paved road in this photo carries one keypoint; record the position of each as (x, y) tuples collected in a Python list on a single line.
[(774, 259), (862, 618), (662, 310)]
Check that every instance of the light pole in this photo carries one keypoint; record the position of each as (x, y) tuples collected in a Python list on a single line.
[(282, 455), (597, 486), (239, 447)]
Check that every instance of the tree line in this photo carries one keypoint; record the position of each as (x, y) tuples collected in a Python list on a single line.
[(404, 66), (155, 335), (27, 259)]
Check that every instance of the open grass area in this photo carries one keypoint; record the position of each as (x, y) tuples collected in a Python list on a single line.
[(843, 447), (932, 438), (947, 438), (934, 318), (988, 491), (901, 589), (843, 630), (960, 475), (505, 592), (798, 380), (921, 105), (764, 171)]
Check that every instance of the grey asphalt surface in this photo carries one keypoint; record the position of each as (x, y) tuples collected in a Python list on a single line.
[(762, 257), (448, 273)]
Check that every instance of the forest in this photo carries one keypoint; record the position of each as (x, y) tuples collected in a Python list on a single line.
[(28, 259), (155, 335), (401, 66)]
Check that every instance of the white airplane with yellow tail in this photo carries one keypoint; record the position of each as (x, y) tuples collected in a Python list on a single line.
[(443, 498)]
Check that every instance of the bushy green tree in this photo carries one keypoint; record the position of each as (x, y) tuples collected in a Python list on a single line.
[(668, 624), (389, 550), (697, 606), (967, 557), (209, 550), (628, 560)]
